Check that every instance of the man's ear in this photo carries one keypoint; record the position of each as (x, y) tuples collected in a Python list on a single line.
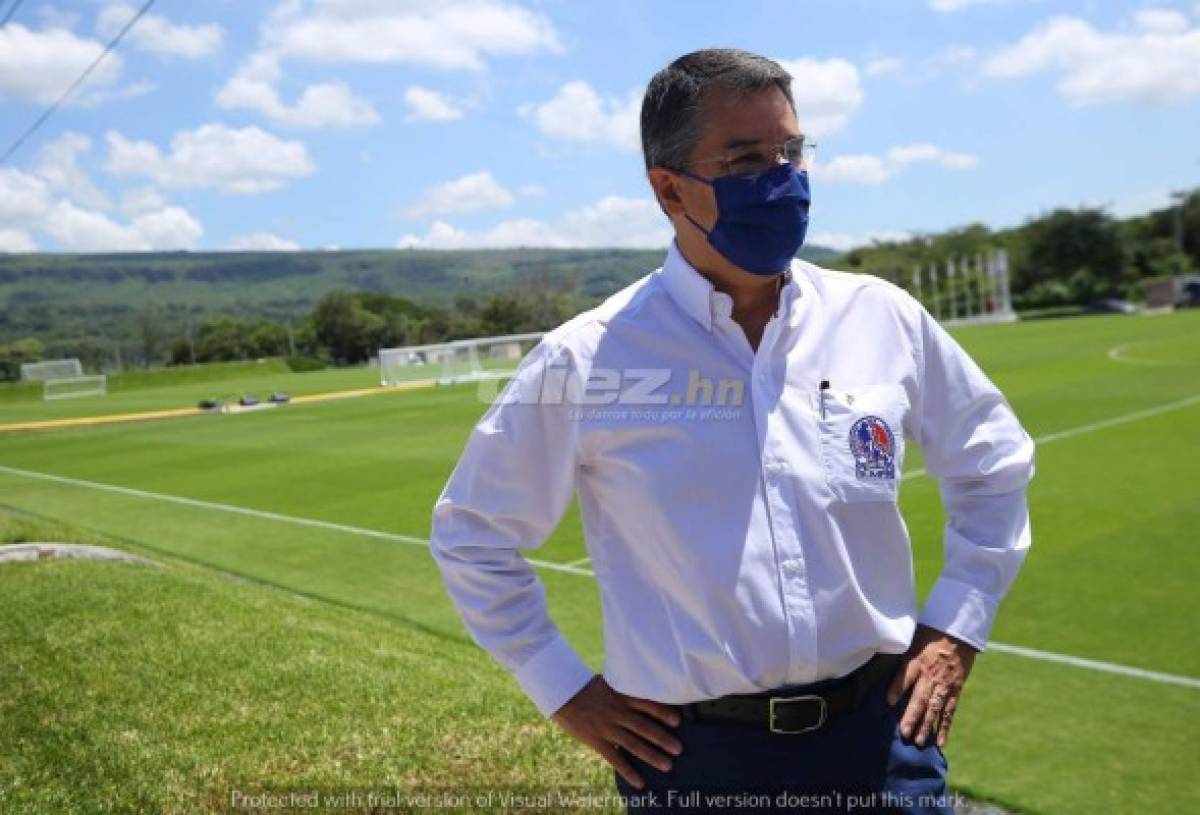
[(666, 189)]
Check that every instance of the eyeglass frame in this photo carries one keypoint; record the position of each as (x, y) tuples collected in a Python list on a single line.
[(779, 156)]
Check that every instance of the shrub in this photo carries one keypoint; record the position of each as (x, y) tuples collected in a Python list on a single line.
[(302, 364)]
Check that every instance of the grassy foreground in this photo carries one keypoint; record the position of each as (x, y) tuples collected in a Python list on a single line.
[(127, 688)]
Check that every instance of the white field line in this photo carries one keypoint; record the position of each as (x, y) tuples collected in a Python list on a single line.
[(1096, 665), (571, 568), (256, 513), (1194, 399), (1117, 354), (579, 562)]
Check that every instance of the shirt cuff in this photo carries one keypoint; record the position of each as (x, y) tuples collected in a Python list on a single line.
[(553, 675), (960, 610)]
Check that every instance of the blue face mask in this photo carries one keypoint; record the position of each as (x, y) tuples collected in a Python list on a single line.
[(761, 219)]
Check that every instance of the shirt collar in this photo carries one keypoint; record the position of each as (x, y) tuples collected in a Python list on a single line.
[(696, 295)]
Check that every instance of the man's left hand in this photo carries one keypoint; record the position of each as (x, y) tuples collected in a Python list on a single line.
[(938, 665)]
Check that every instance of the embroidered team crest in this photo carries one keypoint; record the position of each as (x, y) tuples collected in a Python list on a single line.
[(874, 448)]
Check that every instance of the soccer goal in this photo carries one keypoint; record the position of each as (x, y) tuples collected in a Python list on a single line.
[(75, 386), (967, 289), (51, 369), (458, 361)]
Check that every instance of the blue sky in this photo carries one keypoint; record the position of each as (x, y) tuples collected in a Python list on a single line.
[(381, 123)]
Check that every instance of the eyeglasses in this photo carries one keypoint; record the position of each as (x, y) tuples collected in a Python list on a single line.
[(752, 158)]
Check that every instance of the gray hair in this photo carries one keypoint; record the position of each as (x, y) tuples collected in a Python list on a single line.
[(670, 109)]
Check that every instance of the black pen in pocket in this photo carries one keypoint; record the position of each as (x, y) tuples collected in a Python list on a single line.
[(824, 387)]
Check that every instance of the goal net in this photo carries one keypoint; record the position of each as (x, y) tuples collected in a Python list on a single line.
[(51, 369), (458, 361), (75, 386)]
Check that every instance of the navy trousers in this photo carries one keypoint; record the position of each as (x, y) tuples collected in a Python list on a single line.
[(857, 763)]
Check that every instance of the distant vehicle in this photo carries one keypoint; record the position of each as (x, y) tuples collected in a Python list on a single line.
[(209, 404), (1110, 305), (279, 398), (248, 401)]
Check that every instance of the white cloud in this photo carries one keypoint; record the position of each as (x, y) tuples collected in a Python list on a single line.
[(24, 198), (245, 160), (613, 221), (261, 242), (16, 240), (1160, 20), (459, 34), (578, 113), (40, 65), (142, 199), (168, 228), (883, 65), (871, 169), (827, 93), (843, 242), (324, 104), (864, 169), (946, 6), (425, 105), (1157, 62), (468, 193), (57, 164), (76, 229), (59, 200), (159, 35)]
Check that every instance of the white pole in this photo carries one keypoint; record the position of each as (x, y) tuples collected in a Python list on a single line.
[(966, 275), (1005, 283), (937, 301), (950, 271)]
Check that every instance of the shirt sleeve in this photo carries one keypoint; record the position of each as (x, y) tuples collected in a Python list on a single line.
[(508, 492), (983, 460)]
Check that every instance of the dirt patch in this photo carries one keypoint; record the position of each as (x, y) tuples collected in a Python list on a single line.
[(46, 550)]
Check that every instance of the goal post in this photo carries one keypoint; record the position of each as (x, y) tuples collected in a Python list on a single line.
[(464, 360), (51, 369), (74, 387)]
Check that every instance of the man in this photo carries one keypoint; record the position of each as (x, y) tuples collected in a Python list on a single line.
[(734, 425)]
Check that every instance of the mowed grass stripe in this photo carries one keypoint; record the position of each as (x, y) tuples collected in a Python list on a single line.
[(1093, 426), (575, 568), (257, 513)]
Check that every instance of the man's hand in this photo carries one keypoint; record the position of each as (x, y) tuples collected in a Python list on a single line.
[(605, 719), (938, 664)]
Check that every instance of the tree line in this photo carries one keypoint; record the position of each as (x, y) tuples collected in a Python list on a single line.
[(1067, 257), (344, 328)]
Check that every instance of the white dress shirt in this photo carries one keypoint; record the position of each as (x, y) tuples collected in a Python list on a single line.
[(741, 542)]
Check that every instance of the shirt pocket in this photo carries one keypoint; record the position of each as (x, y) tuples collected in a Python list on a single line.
[(861, 433)]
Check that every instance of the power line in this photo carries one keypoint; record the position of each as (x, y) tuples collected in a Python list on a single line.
[(78, 81), (11, 11)]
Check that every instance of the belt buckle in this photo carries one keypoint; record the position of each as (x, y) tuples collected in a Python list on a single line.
[(807, 698)]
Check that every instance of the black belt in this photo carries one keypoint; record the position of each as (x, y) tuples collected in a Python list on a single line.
[(799, 709)]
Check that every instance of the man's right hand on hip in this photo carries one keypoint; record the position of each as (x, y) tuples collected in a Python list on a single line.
[(605, 719)]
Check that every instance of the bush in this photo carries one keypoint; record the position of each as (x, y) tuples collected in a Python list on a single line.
[(302, 364)]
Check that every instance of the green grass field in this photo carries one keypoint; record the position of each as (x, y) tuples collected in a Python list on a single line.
[(126, 688)]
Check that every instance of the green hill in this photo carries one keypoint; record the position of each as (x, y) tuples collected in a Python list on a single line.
[(54, 297)]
